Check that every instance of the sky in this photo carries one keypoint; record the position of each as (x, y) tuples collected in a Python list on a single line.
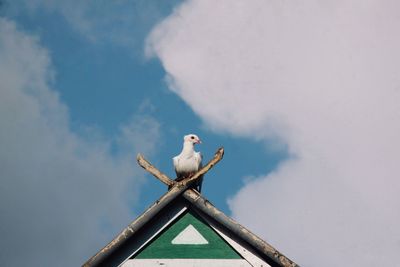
[(304, 97)]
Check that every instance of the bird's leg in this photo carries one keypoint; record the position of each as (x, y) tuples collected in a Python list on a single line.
[(188, 175)]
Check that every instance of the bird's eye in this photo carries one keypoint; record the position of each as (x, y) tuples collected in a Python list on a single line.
[(192, 137)]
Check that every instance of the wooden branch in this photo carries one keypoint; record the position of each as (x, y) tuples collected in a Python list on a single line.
[(185, 182), (153, 170), (217, 157)]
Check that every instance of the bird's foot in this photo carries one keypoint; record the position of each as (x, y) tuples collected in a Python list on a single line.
[(188, 175)]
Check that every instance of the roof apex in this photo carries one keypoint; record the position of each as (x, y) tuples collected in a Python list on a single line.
[(198, 202), (178, 190)]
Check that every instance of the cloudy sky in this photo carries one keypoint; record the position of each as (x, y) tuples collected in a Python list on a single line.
[(304, 96)]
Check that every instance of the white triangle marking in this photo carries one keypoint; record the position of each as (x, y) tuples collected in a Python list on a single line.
[(189, 236)]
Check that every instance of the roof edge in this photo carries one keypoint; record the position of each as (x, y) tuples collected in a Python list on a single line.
[(202, 204), (205, 206), (134, 226)]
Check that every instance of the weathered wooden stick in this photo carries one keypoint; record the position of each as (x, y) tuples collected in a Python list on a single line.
[(204, 205), (217, 157), (166, 180), (153, 170)]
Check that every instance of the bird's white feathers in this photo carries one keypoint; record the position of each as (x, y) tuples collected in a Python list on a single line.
[(188, 161), (186, 164)]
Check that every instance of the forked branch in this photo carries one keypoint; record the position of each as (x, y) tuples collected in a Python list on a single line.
[(166, 180), (217, 157)]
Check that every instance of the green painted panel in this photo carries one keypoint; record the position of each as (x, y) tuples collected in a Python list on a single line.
[(162, 248)]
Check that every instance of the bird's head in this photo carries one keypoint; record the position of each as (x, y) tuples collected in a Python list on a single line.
[(192, 138)]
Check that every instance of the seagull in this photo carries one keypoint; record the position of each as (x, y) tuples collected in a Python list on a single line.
[(188, 162)]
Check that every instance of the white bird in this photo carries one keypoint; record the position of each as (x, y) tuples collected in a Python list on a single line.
[(188, 162)]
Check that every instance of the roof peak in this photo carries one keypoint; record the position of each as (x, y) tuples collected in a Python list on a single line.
[(180, 191)]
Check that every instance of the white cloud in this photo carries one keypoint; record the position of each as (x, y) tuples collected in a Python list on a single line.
[(62, 196), (324, 78)]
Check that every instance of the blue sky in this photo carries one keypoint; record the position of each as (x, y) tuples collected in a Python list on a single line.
[(304, 97), (104, 82)]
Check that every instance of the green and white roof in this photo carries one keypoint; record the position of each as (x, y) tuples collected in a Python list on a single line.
[(187, 231)]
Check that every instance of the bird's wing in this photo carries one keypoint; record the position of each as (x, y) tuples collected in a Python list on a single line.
[(199, 159), (175, 161)]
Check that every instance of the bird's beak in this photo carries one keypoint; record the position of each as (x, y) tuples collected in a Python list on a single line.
[(198, 141)]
